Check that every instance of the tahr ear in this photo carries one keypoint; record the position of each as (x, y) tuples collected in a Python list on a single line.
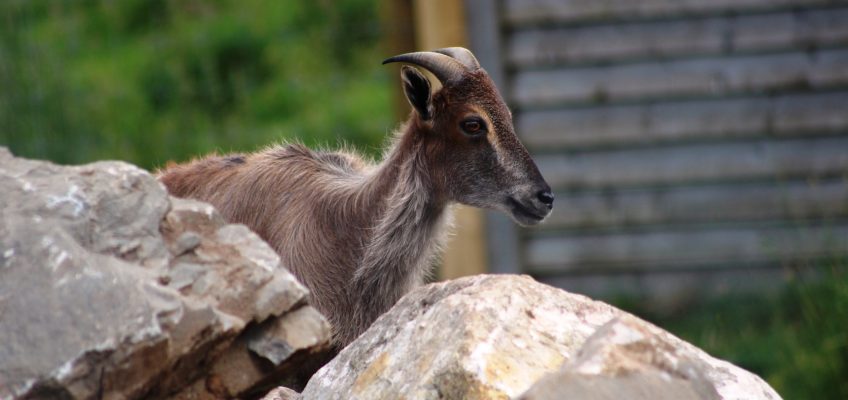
[(416, 87)]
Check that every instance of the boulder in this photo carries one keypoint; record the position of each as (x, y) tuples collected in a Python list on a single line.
[(110, 288), (495, 337)]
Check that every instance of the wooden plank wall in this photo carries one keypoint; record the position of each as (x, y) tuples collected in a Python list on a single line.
[(694, 146)]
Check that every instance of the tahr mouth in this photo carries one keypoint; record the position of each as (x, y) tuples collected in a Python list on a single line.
[(524, 214)]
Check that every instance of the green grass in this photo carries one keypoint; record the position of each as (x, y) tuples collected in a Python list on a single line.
[(796, 339), (149, 81)]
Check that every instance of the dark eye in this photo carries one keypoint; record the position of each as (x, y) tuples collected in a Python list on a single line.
[(473, 126)]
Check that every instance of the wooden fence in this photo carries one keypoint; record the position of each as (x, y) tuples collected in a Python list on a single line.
[(694, 146)]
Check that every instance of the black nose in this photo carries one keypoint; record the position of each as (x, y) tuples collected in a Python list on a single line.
[(546, 197)]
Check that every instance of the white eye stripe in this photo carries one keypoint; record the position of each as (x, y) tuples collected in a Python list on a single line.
[(505, 158)]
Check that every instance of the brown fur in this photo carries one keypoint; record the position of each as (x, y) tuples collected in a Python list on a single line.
[(358, 235)]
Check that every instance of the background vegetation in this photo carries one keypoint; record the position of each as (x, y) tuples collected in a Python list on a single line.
[(149, 81)]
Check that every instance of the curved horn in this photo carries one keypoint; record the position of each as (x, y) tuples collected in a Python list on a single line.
[(446, 68), (463, 55)]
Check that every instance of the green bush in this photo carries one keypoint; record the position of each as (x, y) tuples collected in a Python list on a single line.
[(149, 81)]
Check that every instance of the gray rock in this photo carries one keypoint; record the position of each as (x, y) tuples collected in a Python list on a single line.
[(641, 385), (281, 351), (110, 288), (488, 337), (628, 355), (280, 338), (282, 393)]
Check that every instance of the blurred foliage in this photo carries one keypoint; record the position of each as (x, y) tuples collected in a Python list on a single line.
[(796, 339), (149, 81)]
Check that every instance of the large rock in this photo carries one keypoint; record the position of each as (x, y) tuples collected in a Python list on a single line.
[(493, 337), (109, 288)]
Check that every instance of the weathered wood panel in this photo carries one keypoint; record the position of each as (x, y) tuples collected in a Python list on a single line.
[(682, 249), (686, 139), (616, 126), (615, 210), (677, 38), (697, 163), (682, 78), (528, 12)]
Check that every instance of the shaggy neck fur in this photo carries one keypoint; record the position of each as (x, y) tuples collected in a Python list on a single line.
[(409, 227)]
